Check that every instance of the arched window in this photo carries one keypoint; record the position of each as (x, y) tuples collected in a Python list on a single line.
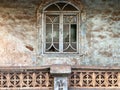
[(61, 28)]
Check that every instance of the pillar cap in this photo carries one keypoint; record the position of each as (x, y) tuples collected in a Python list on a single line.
[(60, 69)]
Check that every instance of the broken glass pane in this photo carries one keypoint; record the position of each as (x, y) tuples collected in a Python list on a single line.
[(73, 32)]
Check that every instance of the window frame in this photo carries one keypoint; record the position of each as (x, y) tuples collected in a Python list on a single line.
[(77, 13)]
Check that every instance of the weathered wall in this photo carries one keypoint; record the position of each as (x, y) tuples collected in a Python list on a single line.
[(17, 32), (103, 22), (100, 35)]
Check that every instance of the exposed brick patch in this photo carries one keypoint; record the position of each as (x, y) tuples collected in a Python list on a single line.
[(106, 53), (101, 36), (29, 47), (116, 35), (23, 17)]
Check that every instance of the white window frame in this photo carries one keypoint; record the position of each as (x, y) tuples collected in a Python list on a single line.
[(61, 14)]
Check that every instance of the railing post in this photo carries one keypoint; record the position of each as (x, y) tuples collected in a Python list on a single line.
[(60, 83), (60, 73)]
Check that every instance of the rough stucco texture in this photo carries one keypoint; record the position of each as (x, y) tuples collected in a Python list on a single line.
[(100, 35)]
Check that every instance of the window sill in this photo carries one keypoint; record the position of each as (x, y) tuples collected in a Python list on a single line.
[(61, 54)]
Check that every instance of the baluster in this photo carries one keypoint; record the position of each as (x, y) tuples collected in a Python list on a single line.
[(118, 79), (81, 79), (8, 79), (21, 80), (34, 79), (47, 79), (106, 79), (93, 79)]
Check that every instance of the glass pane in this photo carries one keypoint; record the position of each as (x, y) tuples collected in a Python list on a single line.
[(66, 19), (48, 19), (70, 19), (52, 18), (56, 32), (69, 49), (66, 33), (70, 8), (48, 45), (52, 7), (52, 49), (48, 32), (65, 45), (61, 5), (73, 32), (56, 45), (74, 45), (73, 19), (56, 19)]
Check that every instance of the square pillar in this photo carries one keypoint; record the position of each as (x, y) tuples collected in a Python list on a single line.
[(60, 73), (60, 83)]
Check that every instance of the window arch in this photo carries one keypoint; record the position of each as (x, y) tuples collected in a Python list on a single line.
[(61, 6), (61, 21)]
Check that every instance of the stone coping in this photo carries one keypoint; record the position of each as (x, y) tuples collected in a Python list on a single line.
[(98, 88), (48, 67)]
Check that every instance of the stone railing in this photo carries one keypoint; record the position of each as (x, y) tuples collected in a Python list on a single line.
[(25, 78), (41, 78), (91, 77)]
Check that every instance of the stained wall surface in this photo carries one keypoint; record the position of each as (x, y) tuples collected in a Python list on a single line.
[(99, 35)]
